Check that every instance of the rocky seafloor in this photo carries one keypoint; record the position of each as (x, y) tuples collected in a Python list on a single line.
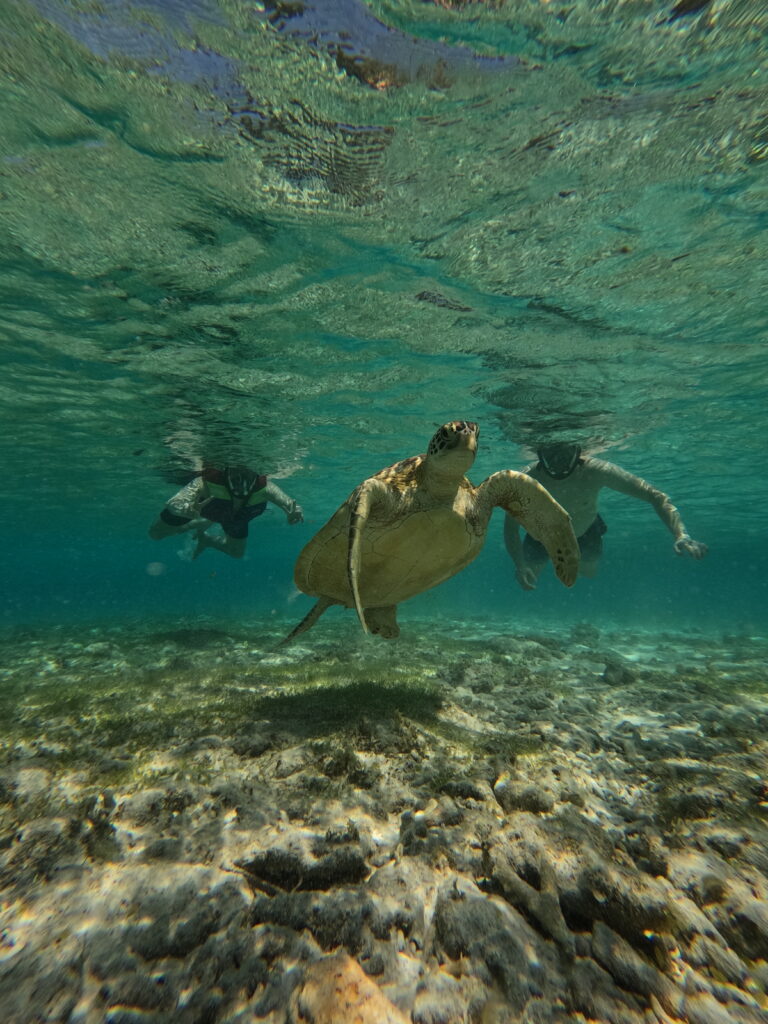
[(465, 825)]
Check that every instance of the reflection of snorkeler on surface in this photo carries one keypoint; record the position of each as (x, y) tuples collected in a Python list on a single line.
[(575, 481), (232, 497)]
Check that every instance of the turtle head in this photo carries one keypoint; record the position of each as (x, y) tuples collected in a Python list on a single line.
[(454, 445)]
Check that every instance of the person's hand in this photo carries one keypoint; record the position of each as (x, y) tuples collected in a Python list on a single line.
[(296, 515), (685, 546), (526, 578)]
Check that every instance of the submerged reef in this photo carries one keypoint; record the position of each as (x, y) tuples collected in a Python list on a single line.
[(553, 826)]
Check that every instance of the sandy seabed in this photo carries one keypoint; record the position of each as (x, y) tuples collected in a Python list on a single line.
[(469, 824)]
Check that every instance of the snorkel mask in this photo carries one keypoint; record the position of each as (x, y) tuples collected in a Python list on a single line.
[(239, 482), (560, 459)]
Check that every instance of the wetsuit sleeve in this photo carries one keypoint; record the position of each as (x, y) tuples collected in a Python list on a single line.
[(618, 479), (172, 518), (185, 504), (281, 499)]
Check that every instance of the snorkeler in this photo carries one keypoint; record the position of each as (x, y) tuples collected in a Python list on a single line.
[(575, 481), (232, 497)]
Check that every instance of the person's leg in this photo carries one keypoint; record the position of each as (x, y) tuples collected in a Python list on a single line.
[(536, 557), (591, 547), (160, 530), (588, 567), (232, 546), (168, 524)]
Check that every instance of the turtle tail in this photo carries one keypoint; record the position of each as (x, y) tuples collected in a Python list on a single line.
[(309, 619)]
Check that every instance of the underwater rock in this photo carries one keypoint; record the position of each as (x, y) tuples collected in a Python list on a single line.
[(428, 829), (199, 743), (337, 918), (542, 903), (517, 796), (705, 952), (292, 760), (648, 851), (294, 866), (47, 991), (163, 848), (630, 970), (172, 935), (31, 783), (694, 803), (594, 993), (617, 671), (585, 633), (38, 850), (252, 744), (745, 924), (439, 999), (401, 891), (630, 902), (466, 789), (495, 940), (141, 992), (335, 990), (155, 806)]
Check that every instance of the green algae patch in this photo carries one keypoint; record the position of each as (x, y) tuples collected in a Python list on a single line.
[(104, 706), (504, 748), (323, 706)]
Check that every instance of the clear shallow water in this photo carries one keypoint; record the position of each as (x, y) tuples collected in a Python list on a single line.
[(229, 236), (301, 238)]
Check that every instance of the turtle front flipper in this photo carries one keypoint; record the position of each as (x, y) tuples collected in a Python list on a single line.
[(538, 513), (361, 502)]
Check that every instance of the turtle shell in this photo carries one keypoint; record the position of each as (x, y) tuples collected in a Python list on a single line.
[(424, 542)]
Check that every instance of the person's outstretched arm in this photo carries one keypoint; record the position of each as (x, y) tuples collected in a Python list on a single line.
[(293, 511), (620, 480), (181, 512)]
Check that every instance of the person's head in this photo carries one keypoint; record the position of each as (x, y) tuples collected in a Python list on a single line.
[(239, 481), (559, 459)]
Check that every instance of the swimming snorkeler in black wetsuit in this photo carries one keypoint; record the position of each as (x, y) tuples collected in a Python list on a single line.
[(232, 497)]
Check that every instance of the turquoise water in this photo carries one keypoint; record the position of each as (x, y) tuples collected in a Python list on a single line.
[(301, 234), (230, 234)]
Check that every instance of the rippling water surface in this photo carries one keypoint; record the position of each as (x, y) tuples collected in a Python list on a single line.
[(300, 235)]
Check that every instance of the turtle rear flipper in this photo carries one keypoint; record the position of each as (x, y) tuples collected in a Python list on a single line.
[(309, 619), (383, 621)]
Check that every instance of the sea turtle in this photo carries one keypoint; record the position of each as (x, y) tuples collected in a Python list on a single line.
[(417, 523)]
